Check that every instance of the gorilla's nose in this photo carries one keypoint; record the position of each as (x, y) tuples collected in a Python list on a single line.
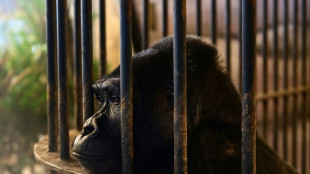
[(88, 129), (89, 126)]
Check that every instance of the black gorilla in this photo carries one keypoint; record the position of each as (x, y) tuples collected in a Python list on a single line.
[(214, 117)]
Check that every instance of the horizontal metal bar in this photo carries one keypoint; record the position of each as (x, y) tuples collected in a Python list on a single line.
[(283, 93)]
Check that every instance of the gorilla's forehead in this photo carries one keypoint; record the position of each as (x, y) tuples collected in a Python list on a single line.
[(106, 83)]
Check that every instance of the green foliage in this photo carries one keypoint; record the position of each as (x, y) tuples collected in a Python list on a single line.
[(23, 63), (22, 84)]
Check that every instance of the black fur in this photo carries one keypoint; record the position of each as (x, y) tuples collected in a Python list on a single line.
[(214, 117)]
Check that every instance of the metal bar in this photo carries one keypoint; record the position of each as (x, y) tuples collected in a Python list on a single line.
[(227, 36), (145, 24), (248, 86), (294, 112), (304, 83), (62, 78), (180, 87), (285, 79), (240, 46), (198, 17), (126, 87), (164, 18), (78, 97), (52, 97), (275, 75), (87, 58), (103, 61), (264, 54), (282, 93), (136, 30), (213, 21)]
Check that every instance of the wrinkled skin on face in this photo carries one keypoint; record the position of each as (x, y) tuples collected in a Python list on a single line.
[(213, 114)]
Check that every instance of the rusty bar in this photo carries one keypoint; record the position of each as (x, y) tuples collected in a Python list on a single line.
[(240, 47), (78, 98), (87, 58), (227, 36), (198, 17), (145, 24), (164, 18), (62, 78), (294, 112), (275, 75), (213, 21), (265, 60), (249, 87), (103, 50), (285, 79), (304, 83), (126, 86), (180, 86), (52, 97)]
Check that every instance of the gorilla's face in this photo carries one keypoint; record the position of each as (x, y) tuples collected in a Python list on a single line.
[(97, 147)]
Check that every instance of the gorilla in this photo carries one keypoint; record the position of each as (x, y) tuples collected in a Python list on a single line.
[(214, 117)]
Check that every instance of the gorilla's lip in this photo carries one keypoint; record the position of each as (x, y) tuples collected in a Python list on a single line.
[(89, 157)]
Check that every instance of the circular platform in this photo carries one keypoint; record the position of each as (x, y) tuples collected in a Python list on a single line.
[(52, 161)]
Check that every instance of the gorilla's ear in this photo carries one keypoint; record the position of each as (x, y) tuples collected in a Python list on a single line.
[(200, 55)]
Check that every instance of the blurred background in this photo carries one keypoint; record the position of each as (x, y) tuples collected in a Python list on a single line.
[(22, 83), (23, 104)]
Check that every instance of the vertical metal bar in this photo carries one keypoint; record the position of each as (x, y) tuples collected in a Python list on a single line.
[(136, 30), (87, 58), (240, 46), (285, 80), (52, 97), (275, 74), (62, 78), (213, 21), (227, 28), (78, 101), (198, 17), (164, 18), (248, 86), (304, 83), (264, 54), (294, 112), (180, 87), (126, 87), (145, 25), (103, 61)]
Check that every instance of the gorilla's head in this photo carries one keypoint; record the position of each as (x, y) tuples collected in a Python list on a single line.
[(98, 146)]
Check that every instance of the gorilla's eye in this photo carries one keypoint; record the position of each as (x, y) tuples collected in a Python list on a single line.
[(100, 98), (115, 100)]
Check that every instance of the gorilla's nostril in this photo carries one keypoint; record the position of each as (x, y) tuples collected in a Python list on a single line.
[(88, 129)]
